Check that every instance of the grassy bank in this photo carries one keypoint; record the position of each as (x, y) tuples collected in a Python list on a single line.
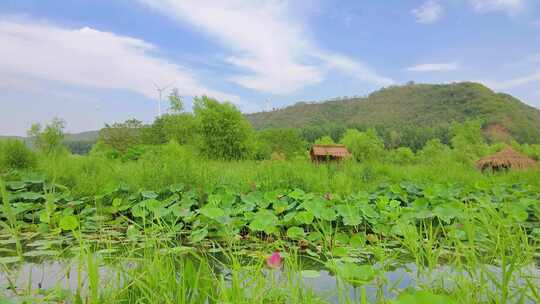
[(173, 164)]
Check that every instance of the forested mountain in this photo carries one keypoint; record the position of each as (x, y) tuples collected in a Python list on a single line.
[(406, 115), (411, 114)]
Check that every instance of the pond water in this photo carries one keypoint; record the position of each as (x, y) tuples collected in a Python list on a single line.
[(63, 275)]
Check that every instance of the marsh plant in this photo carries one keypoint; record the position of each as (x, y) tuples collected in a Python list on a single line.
[(180, 244)]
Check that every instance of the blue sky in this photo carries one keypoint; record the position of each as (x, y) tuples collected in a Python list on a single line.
[(96, 61)]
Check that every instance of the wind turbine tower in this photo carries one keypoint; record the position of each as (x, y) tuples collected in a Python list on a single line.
[(160, 92)]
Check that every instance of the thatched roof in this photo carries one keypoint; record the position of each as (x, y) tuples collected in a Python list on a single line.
[(507, 158), (330, 150)]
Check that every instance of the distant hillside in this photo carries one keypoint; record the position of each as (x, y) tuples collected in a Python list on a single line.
[(11, 137), (83, 136), (79, 143), (412, 113)]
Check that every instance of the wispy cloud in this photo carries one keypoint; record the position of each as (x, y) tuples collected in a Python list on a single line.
[(269, 45), (430, 12), (510, 7), (435, 67), (36, 52), (515, 82), (354, 69)]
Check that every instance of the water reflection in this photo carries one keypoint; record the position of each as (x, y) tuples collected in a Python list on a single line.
[(64, 275)]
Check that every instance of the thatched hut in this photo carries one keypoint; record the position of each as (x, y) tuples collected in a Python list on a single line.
[(507, 158), (329, 152)]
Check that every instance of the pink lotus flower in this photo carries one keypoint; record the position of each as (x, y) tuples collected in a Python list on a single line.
[(274, 261)]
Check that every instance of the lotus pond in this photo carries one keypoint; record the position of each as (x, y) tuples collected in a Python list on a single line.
[(400, 243)]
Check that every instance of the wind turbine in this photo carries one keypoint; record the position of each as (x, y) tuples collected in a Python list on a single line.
[(160, 91)]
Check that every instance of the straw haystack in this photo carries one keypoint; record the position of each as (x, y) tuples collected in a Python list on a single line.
[(507, 158)]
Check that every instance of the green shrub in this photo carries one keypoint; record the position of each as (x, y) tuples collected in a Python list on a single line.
[(402, 155), (364, 146), (225, 132), (325, 140), (134, 153), (49, 140), (14, 154), (434, 152), (285, 142)]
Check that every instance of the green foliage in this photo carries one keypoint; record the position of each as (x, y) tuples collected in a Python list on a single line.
[(364, 146), (429, 227), (182, 128), (79, 147), (532, 151), (225, 133), (50, 139), (408, 115), (433, 151), (14, 154), (325, 140), (68, 222), (121, 136), (402, 155), (422, 297), (134, 153), (102, 150), (261, 150), (287, 142), (176, 102), (467, 139)]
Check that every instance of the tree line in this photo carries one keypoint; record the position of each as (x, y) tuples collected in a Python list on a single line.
[(218, 130)]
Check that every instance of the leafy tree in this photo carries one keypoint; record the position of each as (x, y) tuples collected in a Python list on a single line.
[(283, 141), (433, 151), (152, 134), (182, 128), (402, 155), (467, 138), (394, 139), (121, 136), (51, 138), (261, 150), (364, 146), (312, 133), (176, 102), (225, 132), (325, 140), (79, 146)]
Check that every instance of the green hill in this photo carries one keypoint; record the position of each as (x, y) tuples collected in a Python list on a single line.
[(79, 143), (411, 114), (91, 136)]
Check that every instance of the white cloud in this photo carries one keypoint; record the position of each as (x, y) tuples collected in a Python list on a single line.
[(430, 12), (269, 45), (515, 82), (511, 7), (434, 67), (32, 52), (354, 69)]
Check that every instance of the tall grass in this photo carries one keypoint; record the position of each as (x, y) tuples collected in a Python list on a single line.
[(11, 224), (171, 164), (487, 256)]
